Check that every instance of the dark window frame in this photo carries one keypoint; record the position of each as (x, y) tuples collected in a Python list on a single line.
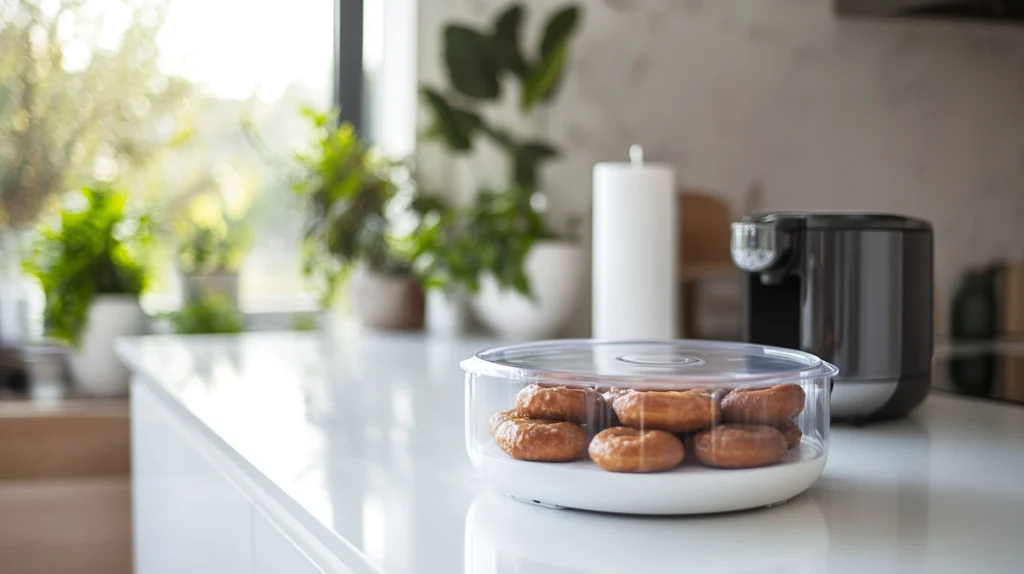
[(348, 62)]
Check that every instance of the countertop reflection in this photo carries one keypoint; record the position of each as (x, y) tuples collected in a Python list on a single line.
[(361, 436)]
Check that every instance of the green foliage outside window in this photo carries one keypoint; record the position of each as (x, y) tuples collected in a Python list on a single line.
[(212, 237), (66, 115)]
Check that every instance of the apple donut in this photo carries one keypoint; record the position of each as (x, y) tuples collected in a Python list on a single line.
[(740, 446), (791, 431), (673, 411), (500, 417), (541, 440), (573, 404), (624, 449), (766, 406)]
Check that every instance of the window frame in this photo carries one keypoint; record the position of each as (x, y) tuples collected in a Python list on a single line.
[(348, 62), (347, 99)]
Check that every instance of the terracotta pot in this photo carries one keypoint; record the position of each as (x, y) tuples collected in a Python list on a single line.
[(386, 301)]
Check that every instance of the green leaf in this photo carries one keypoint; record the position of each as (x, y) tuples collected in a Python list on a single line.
[(527, 160), (471, 65), (468, 122), (209, 315), (346, 190), (456, 126), (507, 53), (499, 136), (181, 137), (91, 251), (542, 81), (559, 27)]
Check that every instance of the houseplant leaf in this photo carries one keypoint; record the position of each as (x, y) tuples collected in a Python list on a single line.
[(527, 160), (346, 190), (96, 248), (507, 53), (471, 64), (542, 81), (456, 126), (559, 27)]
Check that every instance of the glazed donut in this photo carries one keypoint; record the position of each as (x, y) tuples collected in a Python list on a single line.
[(768, 406), (791, 432), (613, 393), (739, 446), (574, 404), (624, 449), (500, 417), (673, 411), (609, 397), (541, 440)]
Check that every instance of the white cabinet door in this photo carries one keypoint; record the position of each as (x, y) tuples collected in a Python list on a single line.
[(275, 553), (188, 517)]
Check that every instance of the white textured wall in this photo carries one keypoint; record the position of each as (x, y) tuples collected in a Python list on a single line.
[(920, 118)]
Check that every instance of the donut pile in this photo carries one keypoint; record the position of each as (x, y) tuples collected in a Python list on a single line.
[(627, 430)]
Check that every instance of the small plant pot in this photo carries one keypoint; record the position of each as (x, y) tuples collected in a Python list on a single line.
[(386, 301), (197, 287), (95, 368), (554, 269)]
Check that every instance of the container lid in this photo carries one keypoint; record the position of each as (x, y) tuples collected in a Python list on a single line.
[(658, 364)]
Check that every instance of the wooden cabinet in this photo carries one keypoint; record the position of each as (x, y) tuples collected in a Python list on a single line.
[(65, 488)]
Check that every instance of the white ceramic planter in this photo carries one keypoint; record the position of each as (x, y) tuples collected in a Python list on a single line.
[(95, 367), (555, 272), (384, 301), (447, 313), (197, 287)]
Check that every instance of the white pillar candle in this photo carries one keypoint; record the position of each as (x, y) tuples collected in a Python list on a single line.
[(635, 249)]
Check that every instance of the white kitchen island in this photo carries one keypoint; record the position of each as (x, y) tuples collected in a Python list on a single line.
[(301, 453)]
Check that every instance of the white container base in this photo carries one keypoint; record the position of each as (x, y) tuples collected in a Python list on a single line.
[(688, 489)]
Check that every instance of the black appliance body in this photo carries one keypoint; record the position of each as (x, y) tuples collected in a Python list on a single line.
[(855, 290)]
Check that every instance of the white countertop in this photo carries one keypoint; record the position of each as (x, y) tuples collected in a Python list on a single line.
[(361, 437)]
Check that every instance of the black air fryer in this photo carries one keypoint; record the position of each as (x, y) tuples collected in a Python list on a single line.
[(855, 290)]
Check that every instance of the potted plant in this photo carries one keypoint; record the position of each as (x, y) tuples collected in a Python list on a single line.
[(445, 258), (58, 123), (90, 263), (212, 244), (501, 247), (522, 280), (347, 192), (207, 315)]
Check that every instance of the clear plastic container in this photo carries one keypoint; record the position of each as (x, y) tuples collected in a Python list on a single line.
[(648, 427)]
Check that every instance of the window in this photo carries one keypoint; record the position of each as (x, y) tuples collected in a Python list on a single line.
[(194, 105), (389, 75), (257, 63)]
